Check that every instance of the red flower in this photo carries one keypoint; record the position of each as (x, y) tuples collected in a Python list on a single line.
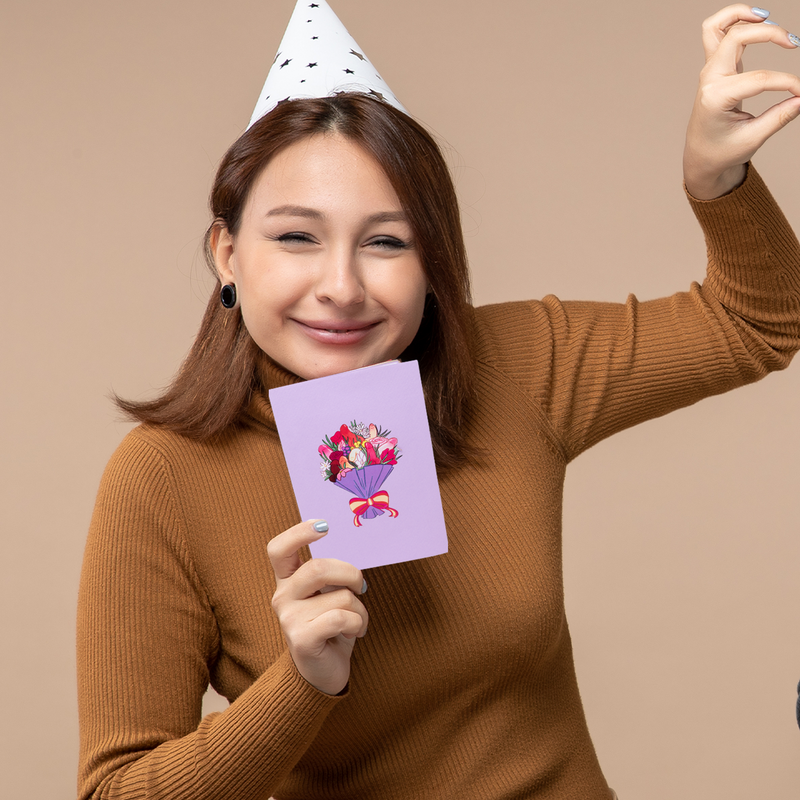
[(388, 456), (351, 438), (335, 464)]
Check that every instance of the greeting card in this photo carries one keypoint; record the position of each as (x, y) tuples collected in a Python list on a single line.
[(358, 449)]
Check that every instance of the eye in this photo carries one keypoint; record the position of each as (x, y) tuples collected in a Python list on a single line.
[(295, 237), (388, 243)]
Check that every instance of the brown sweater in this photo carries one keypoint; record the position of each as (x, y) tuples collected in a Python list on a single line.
[(464, 686)]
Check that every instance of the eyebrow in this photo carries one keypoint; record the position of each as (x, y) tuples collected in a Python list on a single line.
[(311, 213)]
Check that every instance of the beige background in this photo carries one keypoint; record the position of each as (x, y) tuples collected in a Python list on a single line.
[(564, 123)]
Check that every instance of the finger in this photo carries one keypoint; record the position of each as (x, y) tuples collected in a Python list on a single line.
[(322, 575), (717, 25), (307, 626), (331, 624), (299, 615), (772, 120), (731, 49), (284, 549), (751, 84), (340, 600)]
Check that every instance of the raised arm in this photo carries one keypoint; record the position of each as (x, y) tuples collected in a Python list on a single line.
[(597, 368)]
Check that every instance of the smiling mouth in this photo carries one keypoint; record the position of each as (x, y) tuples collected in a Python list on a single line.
[(348, 333), (350, 327)]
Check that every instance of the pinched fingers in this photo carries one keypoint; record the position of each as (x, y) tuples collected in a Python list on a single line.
[(726, 56), (717, 25), (733, 90)]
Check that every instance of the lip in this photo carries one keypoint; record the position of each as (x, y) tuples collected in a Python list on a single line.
[(337, 332)]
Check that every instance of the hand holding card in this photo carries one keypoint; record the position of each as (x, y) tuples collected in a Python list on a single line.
[(317, 604)]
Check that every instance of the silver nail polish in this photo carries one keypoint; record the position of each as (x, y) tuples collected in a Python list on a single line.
[(321, 526), (768, 22), (760, 12), (364, 586), (795, 40)]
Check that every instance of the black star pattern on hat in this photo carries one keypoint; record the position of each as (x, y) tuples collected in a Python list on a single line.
[(315, 37), (357, 55), (285, 63), (348, 71), (312, 64), (314, 5)]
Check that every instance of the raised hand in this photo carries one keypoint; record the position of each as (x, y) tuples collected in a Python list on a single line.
[(318, 607), (721, 137)]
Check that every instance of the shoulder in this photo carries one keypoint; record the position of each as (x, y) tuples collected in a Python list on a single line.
[(153, 466), (145, 452), (149, 447)]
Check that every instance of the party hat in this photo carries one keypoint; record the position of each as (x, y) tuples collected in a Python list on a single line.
[(319, 58)]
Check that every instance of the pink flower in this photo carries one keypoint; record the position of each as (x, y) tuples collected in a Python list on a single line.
[(388, 456), (325, 451)]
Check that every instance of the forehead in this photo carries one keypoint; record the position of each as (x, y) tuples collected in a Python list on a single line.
[(325, 169)]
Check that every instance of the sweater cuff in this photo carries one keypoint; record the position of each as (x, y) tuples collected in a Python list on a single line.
[(748, 171), (284, 679), (746, 224)]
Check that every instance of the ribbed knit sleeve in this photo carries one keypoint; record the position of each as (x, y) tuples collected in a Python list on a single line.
[(593, 369), (147, 636)]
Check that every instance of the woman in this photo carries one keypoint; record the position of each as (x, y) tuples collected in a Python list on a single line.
[(337, 243)]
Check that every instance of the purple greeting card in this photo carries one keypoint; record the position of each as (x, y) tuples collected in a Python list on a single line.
[(359, 454)]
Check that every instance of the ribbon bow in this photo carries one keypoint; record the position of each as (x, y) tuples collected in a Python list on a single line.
[(380, 500)]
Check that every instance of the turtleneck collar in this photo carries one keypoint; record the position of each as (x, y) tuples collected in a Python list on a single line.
[(269, 375)]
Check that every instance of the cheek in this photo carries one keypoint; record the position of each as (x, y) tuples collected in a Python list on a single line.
[(411, 308), (270, 288)]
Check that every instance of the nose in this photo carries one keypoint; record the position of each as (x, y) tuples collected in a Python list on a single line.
[(339, 278)]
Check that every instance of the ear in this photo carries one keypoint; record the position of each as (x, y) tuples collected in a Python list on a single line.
[(221, 244)]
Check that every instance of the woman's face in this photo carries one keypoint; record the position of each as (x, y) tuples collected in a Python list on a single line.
[(325, 266)]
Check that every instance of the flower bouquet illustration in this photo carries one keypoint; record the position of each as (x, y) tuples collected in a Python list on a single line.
[(359, 458)]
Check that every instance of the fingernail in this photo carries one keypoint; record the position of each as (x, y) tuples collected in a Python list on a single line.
[(769, 22), (760, 12), (321, 526), (795, 40), (364, 587)]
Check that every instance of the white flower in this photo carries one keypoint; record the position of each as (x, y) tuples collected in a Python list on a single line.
[(358, 457)]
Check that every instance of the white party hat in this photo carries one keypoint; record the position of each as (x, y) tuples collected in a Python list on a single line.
[(319, 58)]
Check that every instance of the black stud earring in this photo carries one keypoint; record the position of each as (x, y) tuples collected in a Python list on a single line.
[(227, 295)]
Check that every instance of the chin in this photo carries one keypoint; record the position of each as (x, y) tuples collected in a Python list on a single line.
[(333, 366)]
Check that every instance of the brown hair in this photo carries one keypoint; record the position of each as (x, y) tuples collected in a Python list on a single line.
[(214, 384)]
